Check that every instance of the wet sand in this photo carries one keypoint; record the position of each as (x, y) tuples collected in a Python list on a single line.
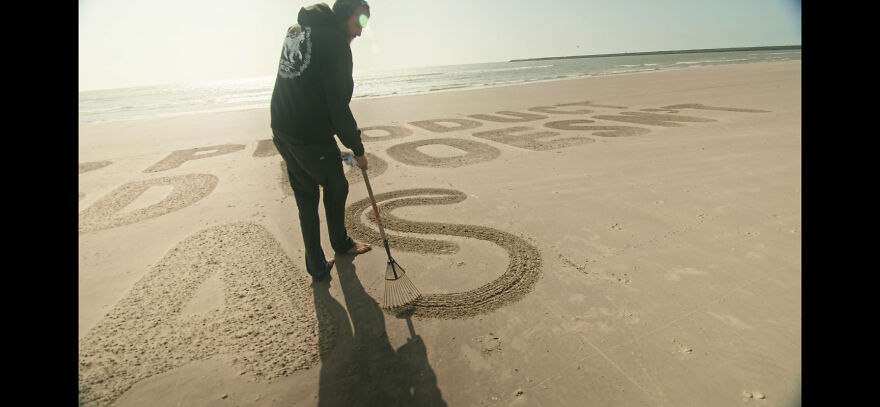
[(616, 241)]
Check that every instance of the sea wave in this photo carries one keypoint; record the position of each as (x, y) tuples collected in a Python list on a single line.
[(711, 61), (625, 71), (496, 70), (240, 94)]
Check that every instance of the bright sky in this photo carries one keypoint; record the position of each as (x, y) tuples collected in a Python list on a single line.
[(125, 43)]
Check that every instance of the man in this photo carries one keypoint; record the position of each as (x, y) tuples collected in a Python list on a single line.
[(309, 105)]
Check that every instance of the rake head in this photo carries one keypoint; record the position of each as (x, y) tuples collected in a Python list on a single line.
[(399, 290)]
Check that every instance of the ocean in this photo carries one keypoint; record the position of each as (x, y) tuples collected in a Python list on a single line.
[(253, 93)]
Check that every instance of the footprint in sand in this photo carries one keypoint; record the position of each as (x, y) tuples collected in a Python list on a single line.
[(749, 395), (488, 343), (682, 348)]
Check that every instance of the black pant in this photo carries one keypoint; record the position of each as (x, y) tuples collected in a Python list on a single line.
[(310, 166)]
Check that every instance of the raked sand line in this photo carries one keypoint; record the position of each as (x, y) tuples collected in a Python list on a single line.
[(260, 315), (519, 278), (86, 167)]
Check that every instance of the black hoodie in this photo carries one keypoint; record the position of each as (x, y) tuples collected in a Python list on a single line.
[(314, 84)]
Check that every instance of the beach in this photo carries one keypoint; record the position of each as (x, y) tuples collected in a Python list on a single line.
[(617, 240)]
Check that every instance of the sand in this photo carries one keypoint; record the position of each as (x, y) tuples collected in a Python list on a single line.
[(615, 241)]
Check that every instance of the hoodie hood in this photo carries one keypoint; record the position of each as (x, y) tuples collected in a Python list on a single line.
[(316, 14)]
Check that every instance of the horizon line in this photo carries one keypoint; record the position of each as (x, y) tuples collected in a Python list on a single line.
[(681, 51)]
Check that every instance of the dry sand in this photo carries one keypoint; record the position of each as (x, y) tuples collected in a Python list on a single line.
[(610, 241)]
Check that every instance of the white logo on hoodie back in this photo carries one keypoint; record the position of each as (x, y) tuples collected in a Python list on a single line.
[(297, 52)]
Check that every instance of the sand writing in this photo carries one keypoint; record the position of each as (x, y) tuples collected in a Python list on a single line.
[(601, 131), (177, 158), (654, 109), (414, 154), (475, 152), (556, 110), (443, 125), (588, 103), (107, 212), (523, 270), (86, 167), (265, 148), (517, 117), (654, 119), (103, 214), (391, 132), (266, 324), (526, 137), (700, 106)]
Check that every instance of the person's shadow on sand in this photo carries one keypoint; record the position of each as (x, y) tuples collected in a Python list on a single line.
[(361, 368)]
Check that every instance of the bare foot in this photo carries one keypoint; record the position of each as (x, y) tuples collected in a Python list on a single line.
[(326, 273), (359, 248)]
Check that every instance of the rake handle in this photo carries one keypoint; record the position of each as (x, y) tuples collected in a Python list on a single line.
[(376, 212)]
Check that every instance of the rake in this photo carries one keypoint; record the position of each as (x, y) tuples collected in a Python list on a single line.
[(399, 290)]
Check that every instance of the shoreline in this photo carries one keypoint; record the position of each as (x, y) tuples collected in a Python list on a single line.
[(429, 92)]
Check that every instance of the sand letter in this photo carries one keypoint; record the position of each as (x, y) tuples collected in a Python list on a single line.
[(518, 117), (108, 212), (533, 141), (179, 157), (601, 131), (654, 119), (523, 268), (701, 106), (591, 104), (229, 290), (266, 148), (555, 109), (391, 132), (86, 167), (475, 152), (437, 126)]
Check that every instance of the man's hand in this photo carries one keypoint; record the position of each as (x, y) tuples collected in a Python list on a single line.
[(362, 161)]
